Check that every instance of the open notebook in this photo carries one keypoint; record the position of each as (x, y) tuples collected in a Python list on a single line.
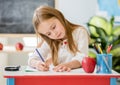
[(31, 69)]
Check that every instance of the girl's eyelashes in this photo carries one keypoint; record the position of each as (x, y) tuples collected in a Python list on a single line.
[(54, 27)]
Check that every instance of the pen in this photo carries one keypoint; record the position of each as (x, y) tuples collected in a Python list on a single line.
[(40, 55), (109, 48)]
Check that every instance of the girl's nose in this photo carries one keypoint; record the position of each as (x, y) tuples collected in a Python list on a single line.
[(54, 33)]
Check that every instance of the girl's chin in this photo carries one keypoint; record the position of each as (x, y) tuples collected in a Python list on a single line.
[(59, 39)]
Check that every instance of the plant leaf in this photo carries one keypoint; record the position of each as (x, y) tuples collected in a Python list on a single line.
[(112, 21), (115, 51), (116, 31), (92, 31), (116, 40), (102, 34), (101, 22)]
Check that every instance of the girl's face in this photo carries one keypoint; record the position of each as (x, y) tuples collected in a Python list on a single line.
[(52, 28)]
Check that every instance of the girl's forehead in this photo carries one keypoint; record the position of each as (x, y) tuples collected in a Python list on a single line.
[(44, 26)]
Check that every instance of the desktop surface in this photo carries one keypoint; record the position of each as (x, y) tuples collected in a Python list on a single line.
[(74, 77)]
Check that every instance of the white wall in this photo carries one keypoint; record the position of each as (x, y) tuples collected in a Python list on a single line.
[(77, 11)]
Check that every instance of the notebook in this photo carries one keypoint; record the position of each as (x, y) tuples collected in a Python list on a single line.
[(31, 69)]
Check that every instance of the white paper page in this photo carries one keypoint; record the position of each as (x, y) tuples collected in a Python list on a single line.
[(30, 69)]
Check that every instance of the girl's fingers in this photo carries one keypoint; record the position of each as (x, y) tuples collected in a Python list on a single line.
[(58, 68), (61, 69), (42, 66), (68, 70), (64, 68)]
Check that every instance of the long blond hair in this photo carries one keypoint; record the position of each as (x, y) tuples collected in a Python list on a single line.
[(44, 13)]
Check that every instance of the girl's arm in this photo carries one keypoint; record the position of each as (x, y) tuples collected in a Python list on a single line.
[(82, 40), (39, 65), (34, 59), (73, 64), (67, 66)]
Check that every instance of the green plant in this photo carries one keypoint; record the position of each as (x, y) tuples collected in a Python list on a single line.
[(103, 31)]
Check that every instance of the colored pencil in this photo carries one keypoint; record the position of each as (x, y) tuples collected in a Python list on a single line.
[(40, 55)]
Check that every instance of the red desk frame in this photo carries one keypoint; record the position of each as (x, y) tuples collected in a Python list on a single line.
[(61, 80)]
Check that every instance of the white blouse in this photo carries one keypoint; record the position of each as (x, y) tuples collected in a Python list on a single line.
[(80, 37)]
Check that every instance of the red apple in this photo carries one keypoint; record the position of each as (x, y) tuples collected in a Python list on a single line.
[(1, 46), (19, 46), (88, 64)]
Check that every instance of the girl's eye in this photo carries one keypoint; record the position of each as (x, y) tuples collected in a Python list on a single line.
[(54, 27)]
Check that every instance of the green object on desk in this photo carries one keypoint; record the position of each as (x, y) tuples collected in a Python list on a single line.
[(28, 71)]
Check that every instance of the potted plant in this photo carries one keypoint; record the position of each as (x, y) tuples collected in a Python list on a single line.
[(104, 31)]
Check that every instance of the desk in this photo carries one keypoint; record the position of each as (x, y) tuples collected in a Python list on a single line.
[(75, 77)]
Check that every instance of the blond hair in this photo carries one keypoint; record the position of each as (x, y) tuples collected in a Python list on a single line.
[(44, 13)]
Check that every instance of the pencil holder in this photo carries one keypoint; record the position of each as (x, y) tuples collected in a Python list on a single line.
[(104, 63)]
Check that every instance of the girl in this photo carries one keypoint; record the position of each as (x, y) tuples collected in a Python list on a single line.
[(65, 43)]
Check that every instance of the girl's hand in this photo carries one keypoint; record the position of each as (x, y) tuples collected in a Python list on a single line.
[(42, 66), (61, 68)]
